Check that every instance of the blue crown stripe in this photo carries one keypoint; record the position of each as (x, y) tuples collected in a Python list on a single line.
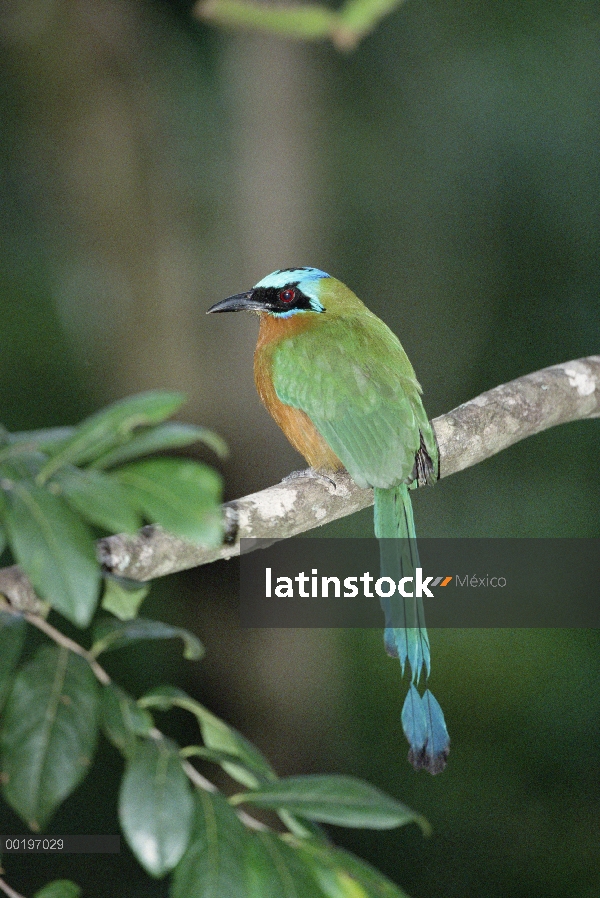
[(283, 276)]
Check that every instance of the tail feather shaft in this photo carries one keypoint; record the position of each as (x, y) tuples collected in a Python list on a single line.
[(405, 635)]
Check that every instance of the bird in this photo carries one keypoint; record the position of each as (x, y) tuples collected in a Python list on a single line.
[(340, 386)]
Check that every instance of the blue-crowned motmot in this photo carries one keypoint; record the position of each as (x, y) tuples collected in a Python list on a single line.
[(339, 384)]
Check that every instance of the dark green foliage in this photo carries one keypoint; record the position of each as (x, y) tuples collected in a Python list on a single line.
[(112, 427), (252, 767), (158, 439), (98, 498), (51, 495), (156, 806), (48, 734), (112, 634), (214, 863), (55, 485), (277, 868), (341, 800), (54, 547), (347, 869), (123, 598), (12, 637), (60, 888), (122, 719), (180, 495)]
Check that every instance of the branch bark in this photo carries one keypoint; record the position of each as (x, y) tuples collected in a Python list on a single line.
[(467, 435), (4, 887)]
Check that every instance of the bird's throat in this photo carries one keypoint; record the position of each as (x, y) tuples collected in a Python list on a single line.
[(273, 329)]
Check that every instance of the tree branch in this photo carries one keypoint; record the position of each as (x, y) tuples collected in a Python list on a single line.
[(16, 586), (60, 639), (4, 887), (345, 27), (467, 435)]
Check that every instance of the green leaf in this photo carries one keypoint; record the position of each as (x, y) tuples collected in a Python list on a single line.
[(182, 496), (60, 888), (208, 754), (213, 865), (47, 440), (159, 439), (302, 827), (3, 539), (341, 873), (55, 549), (19, 463), (112, 426), (12, 637), (341, 800), (99, 498), (156, 806), (123, 720), (123, 601), (310, 21), (276, 870), (375, 883), (48, 733), (253, 767), (110, 634)]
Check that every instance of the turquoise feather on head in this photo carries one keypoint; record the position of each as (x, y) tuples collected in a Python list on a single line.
[(284, 276), (291, 291), (281, 294)]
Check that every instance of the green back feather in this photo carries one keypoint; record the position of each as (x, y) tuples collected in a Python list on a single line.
[(351, 376)]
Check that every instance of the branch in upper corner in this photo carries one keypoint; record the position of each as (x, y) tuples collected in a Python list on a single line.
[(345, 27), (471, 433)]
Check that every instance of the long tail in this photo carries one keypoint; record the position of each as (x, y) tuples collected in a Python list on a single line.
[(405, 636)]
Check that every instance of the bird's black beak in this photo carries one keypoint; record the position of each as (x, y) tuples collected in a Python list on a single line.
[(241, 302)]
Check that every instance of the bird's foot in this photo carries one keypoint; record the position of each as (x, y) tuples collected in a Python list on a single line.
[(313, 475)]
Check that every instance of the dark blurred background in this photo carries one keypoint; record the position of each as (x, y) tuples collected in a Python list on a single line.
[(448, 170)]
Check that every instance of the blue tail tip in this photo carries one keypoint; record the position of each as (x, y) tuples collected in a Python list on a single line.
[(423, 759), (425, 728)]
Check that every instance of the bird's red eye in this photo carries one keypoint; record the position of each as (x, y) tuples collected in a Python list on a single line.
[(288, 295)]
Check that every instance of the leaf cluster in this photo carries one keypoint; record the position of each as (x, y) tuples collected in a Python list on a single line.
[(59, 487), (56, 487), (54, 711)]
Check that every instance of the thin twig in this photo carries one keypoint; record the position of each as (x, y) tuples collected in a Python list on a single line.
[(197, 779), (4, 886), (63, 640)]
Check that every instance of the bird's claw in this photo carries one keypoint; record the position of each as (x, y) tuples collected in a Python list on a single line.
[(312, 475)]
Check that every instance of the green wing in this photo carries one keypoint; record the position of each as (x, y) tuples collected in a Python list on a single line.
[(354, 381)]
